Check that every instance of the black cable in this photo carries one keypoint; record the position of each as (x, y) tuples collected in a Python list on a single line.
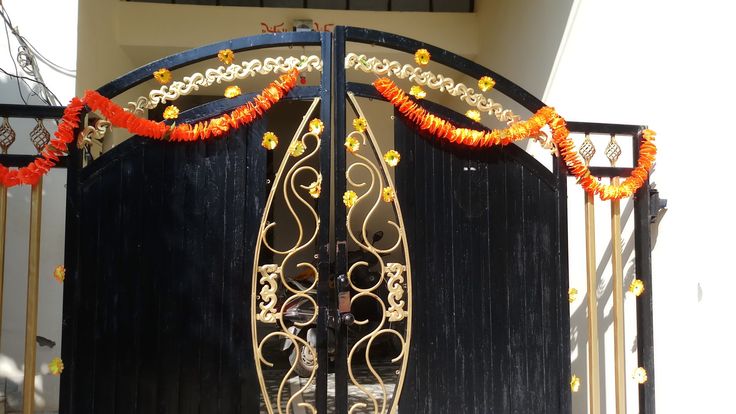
[(10, 52)]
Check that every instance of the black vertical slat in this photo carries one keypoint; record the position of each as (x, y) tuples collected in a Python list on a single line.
[(84, 374), (340, 248), (106, 263), (516, 288), (324, 205), (437, 208), (500, 323), (644, 309), (230, 358), (551, 311), (72, 303), (152, 265), (193, 271), (561, 296), (483, 335), (255, 201), (170, 291), (128, 292), (534, 310), (214, 194)]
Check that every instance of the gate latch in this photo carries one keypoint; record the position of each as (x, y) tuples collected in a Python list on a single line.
[(343, 300)]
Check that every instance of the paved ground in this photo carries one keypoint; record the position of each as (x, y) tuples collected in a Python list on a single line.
[(355, 394)]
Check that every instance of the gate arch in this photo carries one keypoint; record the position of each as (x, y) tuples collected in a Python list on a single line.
[(104, 312)]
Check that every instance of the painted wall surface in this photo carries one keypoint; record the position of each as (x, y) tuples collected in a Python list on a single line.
[(664, 64), (54, 33)]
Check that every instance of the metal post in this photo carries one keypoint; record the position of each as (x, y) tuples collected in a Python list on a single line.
[(594, 385), (34, 253), (3, 218), (618, 305)]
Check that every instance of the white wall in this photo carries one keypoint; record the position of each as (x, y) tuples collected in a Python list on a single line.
[(666, 64), (54, 33)]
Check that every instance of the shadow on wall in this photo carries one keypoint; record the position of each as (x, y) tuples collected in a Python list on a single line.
[(604, 293)]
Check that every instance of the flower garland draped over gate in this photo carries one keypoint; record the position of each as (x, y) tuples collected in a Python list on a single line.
[(546, 116), (118, 117), (407, 106)]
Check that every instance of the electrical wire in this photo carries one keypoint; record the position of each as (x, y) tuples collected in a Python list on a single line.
[(27, 57)]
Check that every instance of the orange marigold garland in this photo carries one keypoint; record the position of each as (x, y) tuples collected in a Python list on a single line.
[(546, 116), (50, 154), (118, 117), (214, 127)]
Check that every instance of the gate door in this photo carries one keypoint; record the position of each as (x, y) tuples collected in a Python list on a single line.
[(468, 274)]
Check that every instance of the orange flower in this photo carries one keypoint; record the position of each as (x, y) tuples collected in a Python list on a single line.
[(486, 83), (473, 114), (352, 144), (360, 124), (270, 141), (56, 366), (417, 92), (163, 76), (316, 126), (422, 56), (171, 112), (232, 91), (60, 273), (226, 56)]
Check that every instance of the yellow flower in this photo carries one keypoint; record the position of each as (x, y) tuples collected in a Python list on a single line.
[(163, 76), (297, 148), (486, 83), (572, 294), (171, 112), (56, 366), (388, 194), (316, 126), (636, 287), (315, 188), (392, 158), (352, 144), (360, 124), (349, 198), (575, 383), (60, 273), (422, 56), (473, 114), (232, 91), (417, 92), (226, 56), (640, 375), (270, 141)]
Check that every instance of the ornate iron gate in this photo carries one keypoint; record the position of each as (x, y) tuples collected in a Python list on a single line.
[(353, 279)]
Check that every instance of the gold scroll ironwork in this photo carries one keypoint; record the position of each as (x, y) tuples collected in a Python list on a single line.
[(395, 301), (272, 293)]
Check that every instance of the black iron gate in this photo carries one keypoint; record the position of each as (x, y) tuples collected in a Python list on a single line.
[(178, 301)]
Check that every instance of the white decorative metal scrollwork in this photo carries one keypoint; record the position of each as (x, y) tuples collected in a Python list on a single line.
[(270, 284), (221, 74), (385, 67)]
